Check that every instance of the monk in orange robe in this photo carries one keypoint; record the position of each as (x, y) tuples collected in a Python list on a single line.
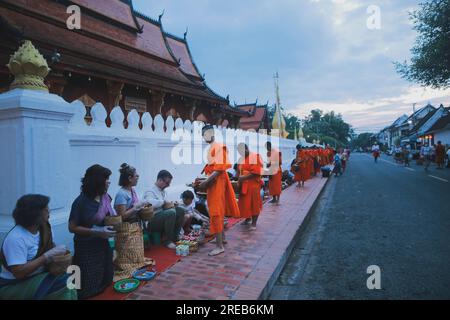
[(250, 170), (330, 154), (316, 160), (310, 163), (275, 172), (440, 155), (220, 194), (322, 160), (300, 167)]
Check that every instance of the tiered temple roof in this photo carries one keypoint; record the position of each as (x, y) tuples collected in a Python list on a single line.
[(115, 42), (256, 118)]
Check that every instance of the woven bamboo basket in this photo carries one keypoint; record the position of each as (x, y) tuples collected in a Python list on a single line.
[(113, 221), (146, 213), (60, 264)]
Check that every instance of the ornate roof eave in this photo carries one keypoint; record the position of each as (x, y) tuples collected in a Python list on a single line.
[(214, 93), (133, 13), (146, 18), (192, 58), (166, 43), (184, 40)]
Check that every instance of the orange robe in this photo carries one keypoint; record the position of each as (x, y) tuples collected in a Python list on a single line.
[(440, 154), (302, 160), (315, 157), (322, 156), (330, 155), (220, 195), (310, 163), (276, 178), (250, 202)]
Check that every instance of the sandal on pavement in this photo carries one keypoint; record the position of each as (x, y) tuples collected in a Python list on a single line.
[(216, 252), (223, 241)]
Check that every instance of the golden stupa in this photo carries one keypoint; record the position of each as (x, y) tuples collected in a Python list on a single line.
[(278, 123)]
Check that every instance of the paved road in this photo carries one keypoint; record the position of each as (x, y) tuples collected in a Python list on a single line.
[(375, 214)]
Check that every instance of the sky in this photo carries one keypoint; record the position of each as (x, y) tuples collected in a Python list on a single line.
[(323, 50)]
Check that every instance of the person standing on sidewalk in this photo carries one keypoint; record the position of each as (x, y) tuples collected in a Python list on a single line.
[(220, 194), (249, 176), (337, 170), (425, 154), (440, 155), (343, 161), (275, 172), (300, 167)]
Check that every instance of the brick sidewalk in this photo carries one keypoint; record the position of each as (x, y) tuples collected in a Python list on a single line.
[(252, 260)]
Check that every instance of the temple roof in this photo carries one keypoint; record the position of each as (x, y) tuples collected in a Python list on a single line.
[(152, 39), (256, 116), (116, 10), (115, 40), (180, 49)]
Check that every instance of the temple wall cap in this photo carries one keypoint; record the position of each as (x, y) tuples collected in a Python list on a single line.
[(29, 68)]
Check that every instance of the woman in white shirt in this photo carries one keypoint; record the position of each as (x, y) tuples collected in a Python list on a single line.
[(27, 250)]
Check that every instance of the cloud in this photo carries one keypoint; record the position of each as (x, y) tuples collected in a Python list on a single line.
[(376, 114), (324, 52)]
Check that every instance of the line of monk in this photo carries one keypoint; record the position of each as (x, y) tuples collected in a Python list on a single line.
[(308, 163), (220, 194)]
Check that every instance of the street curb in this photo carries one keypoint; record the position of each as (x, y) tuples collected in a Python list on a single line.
[(279, 268)]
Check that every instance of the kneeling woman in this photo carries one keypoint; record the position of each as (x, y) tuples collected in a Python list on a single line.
[(93, 254), (25, 253), (129, 240)]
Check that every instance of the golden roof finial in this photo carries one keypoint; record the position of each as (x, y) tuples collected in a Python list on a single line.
[(29, 68)]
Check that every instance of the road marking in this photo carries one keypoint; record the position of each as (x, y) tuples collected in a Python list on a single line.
[(398, 165), (445, 180), (394, 164)]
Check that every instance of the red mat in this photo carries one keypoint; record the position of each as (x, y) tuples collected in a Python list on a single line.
[(164, 257)]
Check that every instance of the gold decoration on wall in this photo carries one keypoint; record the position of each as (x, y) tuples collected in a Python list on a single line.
[(29, 68)]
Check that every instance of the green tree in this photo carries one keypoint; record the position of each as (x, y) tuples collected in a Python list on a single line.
[(363, 140), (430, 62), (329, 126), (325, 127)]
